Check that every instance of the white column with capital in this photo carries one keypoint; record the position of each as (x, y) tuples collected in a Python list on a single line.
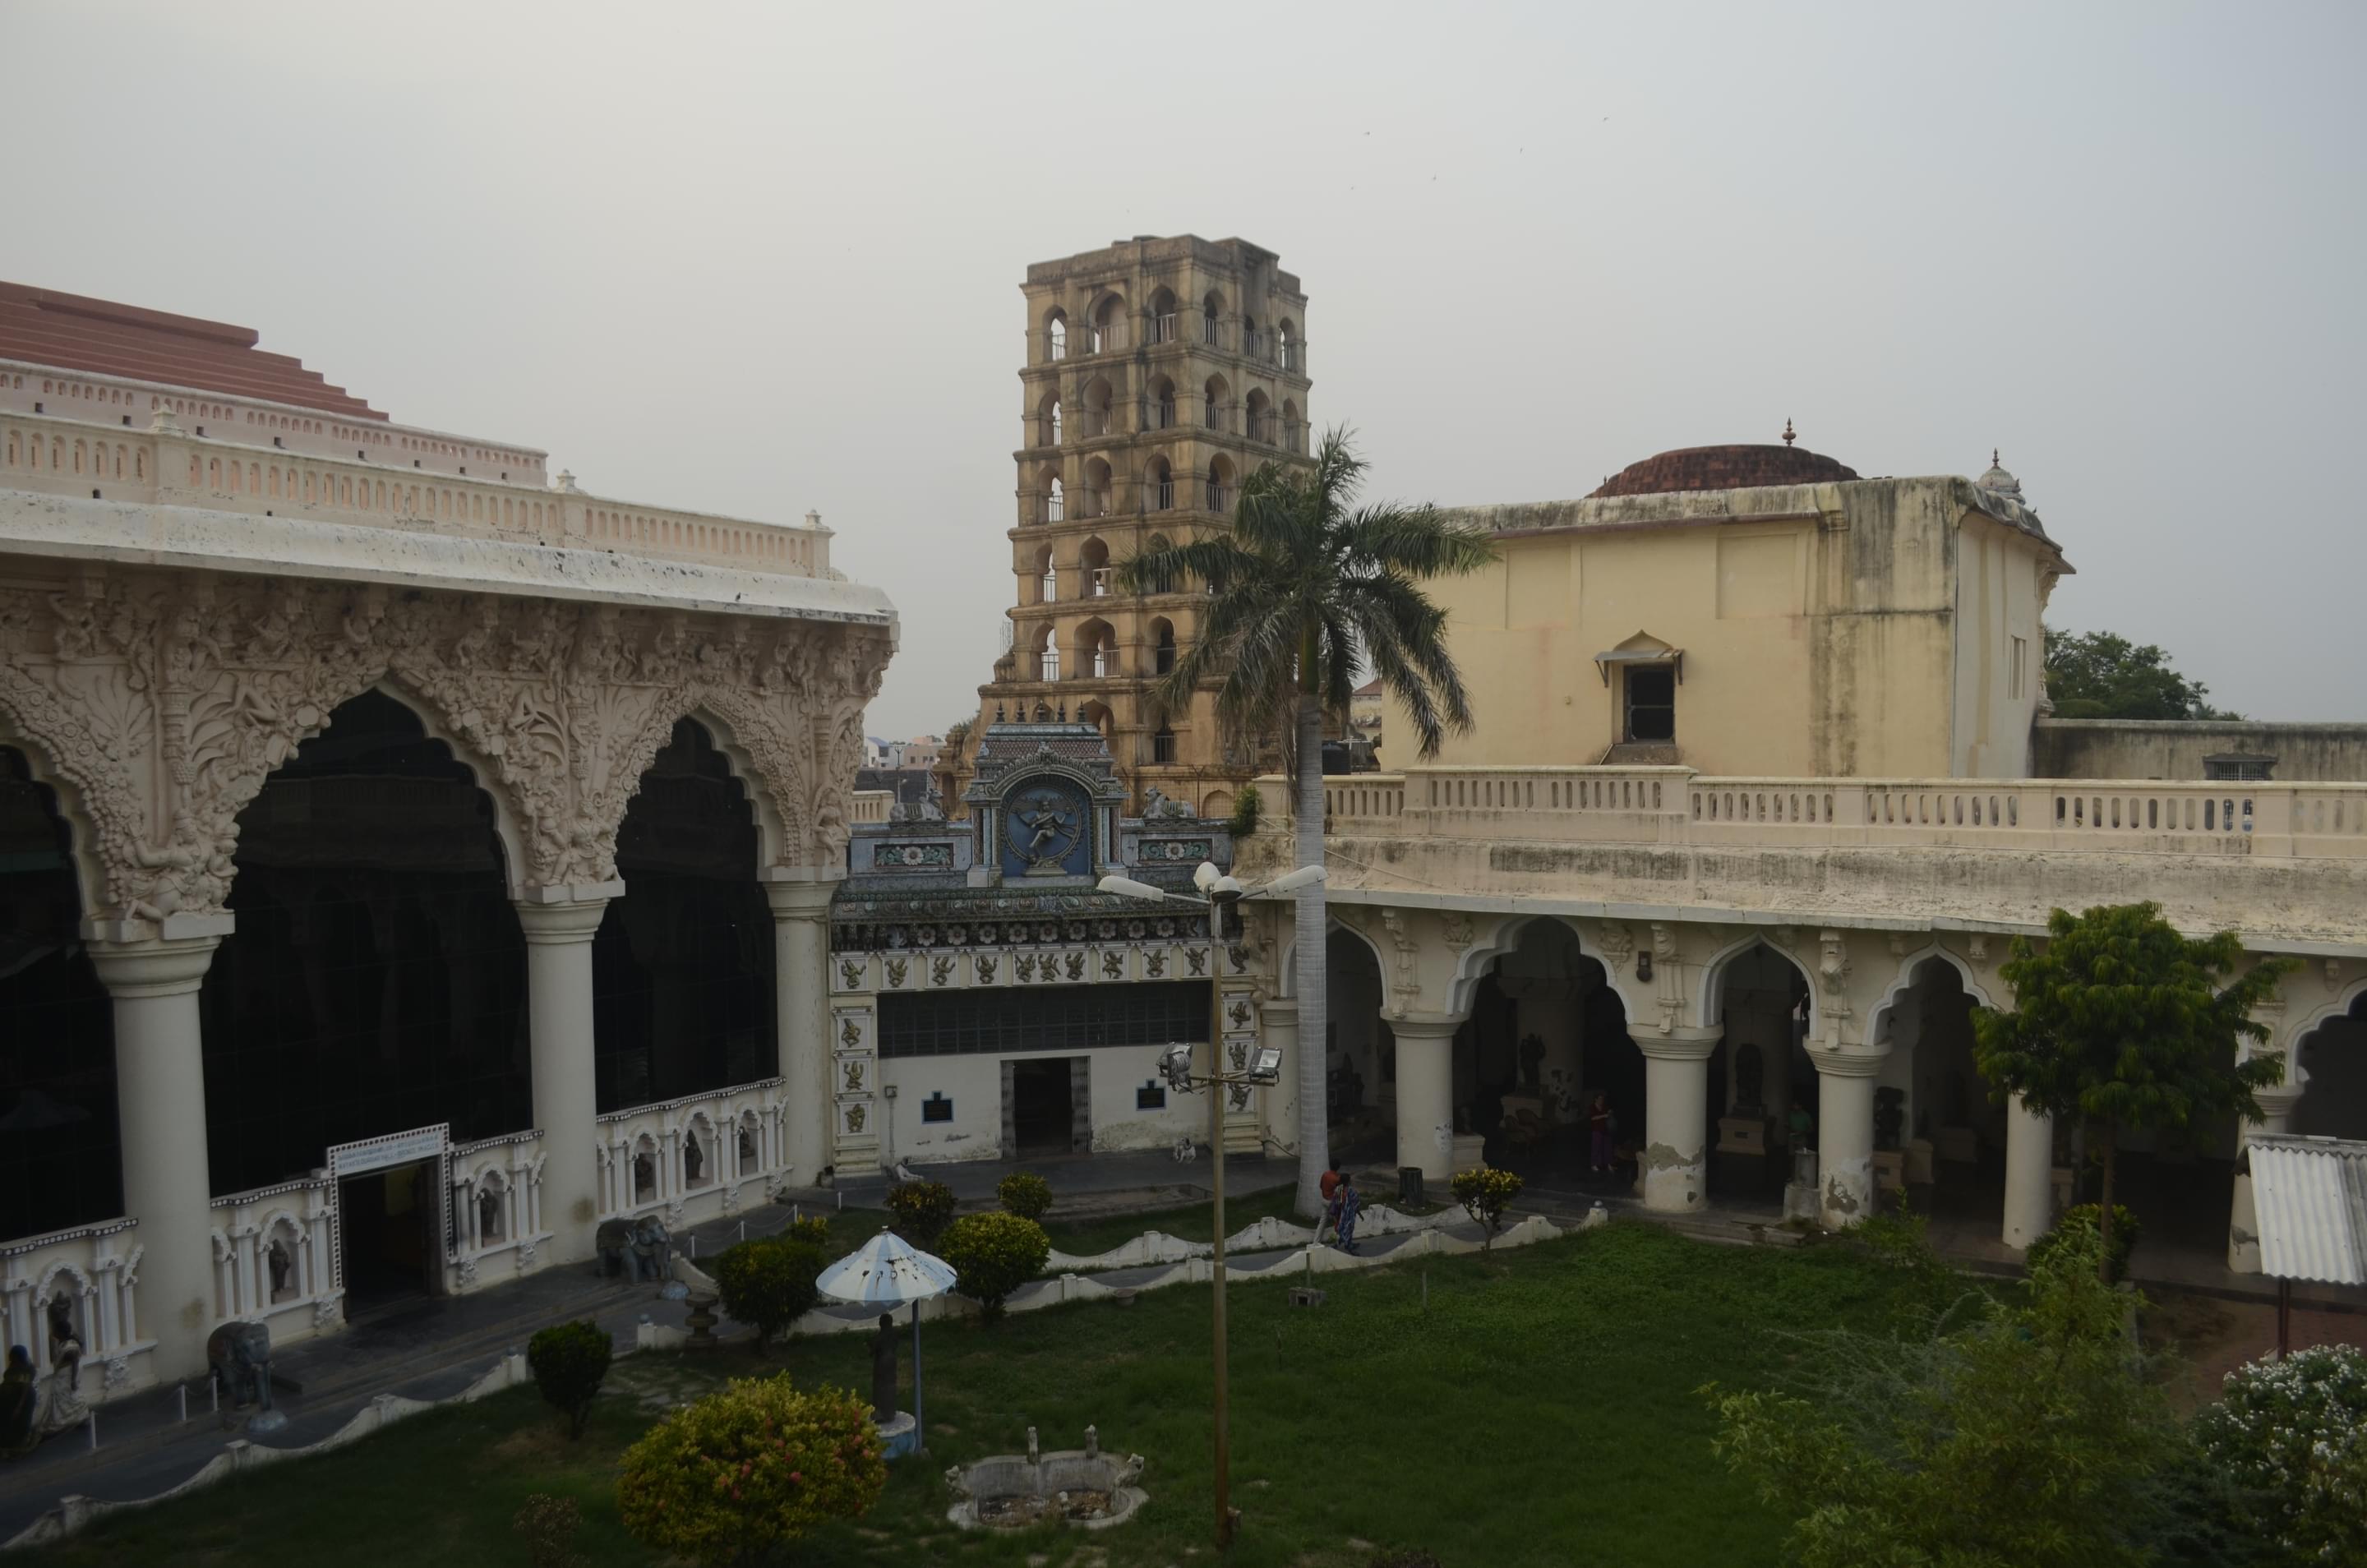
[(1672, 1173), (1426, 1094), (160, 1099), (801, 1023), (559, 923), (2028, 1173), (1845, 1134)]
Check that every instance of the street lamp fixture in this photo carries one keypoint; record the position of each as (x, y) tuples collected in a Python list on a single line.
[(1263, 1068)]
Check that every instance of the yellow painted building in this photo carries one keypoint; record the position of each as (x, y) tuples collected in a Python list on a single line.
[(1757, 610)]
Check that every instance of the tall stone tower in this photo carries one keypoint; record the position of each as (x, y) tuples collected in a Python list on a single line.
[(1160, 373)]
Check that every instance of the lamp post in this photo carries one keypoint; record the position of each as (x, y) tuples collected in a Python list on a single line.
[(1175, 1065)]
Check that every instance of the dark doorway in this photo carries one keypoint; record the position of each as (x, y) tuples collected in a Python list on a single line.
[(377, 979), (1043, 1106), (58, 1150), (388, 1219), (683, 965)]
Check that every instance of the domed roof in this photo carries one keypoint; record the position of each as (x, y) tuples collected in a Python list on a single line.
[(1997, 481), (1724, 468)]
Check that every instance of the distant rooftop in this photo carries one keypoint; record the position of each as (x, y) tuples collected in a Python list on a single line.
[(1724, 467), (72, 331)]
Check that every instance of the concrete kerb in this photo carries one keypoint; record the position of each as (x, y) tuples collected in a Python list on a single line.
[(1426, 1236)]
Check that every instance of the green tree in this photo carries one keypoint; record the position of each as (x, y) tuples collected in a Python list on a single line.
[(2124, 1025), (2101, 675), (993, 1254), (2005, 1436), (768, 1283), (734, 1476), (922, 1209), (1308, 593), (569, 1360)]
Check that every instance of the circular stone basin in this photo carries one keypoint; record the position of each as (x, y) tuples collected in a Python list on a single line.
[(1091, 1491)]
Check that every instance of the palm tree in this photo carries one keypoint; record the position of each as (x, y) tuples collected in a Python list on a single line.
[(1306, 593)]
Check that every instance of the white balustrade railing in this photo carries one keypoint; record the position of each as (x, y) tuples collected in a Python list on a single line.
[(1677, 805), (702, 1151), (78, 1283), (873, 804), (177, 467), (496, 1211), (272, 1256)]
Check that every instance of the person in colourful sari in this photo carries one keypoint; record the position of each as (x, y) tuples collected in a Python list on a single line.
[(1344, 1227)]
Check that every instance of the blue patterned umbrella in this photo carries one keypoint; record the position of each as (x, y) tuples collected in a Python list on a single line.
[(888, 1272)]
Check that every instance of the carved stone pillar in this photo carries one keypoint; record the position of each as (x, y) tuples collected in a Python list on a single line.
[(1670, 1171), (1279, 1018), (559, 923), (1845, 1134), (2028, 1173), (801, 1023), (160, 1085), (1426, 1095)]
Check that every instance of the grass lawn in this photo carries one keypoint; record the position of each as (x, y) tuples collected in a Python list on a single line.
[(1539, 1411)]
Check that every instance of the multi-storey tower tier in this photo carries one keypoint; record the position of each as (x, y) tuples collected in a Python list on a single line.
[(1160, 373)]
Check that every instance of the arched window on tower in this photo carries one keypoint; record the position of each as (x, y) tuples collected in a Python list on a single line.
[(1260, 421), (1097, 420), (1214, 399), (1048, 656), (1220, 484), (1252, 343), (1286, 337), (1055, 335), (1212, 311), (1294, 428), (1048, 581), (1162, 647), (1160, 481), (1109, 325), (1047, 420), (1097, 488), (1055, 502), (1162, 743), (1162, 404), (1094, 560), (1162, 316)]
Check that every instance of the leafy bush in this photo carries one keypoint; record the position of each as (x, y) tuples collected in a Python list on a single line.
[(994, 1255), (2079, 1224), (569, 1361), (1025, 1195), (812, 1228), (1485, 1193), (922, 1209), (550, 1525), (740, 1473), (1246, 807), (769, 1283), (2291, 1436)]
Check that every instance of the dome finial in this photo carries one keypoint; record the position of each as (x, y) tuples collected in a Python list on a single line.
[(1787, 431), (1993, 458)]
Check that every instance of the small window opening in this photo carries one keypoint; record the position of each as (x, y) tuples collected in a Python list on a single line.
[(1651, 704)]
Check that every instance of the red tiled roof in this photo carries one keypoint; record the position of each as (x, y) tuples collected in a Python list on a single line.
[(1724, 467), (42, 326)]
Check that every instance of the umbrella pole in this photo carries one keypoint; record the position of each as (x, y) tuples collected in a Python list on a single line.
[(919, 1436)]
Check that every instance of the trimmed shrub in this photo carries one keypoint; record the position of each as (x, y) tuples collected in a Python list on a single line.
[(550, 1525), (569, 1360), (2290, 1436), (1025, 1195), (922, 1209), (994, 1255), (738, 1474), (768, 1284), (2080, 1225), (1485, 1193), (813, 1228)]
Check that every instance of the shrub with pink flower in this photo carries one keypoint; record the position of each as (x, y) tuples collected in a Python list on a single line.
[(731, 1477)]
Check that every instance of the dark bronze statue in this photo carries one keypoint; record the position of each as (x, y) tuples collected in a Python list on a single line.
[(883, 1370), (613, 1238), (237, 1352)]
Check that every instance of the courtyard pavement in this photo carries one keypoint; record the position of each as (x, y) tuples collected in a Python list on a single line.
[(431, 1347)]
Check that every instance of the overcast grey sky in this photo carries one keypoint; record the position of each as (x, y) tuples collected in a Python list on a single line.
[(763, 258)]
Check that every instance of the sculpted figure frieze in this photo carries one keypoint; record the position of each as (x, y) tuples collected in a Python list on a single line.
[(160, 703)]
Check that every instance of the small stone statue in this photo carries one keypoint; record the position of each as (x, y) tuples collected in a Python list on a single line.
[(237, 1352), (883, 1370), (64, 1409), (613, 1240), (652, 1250)]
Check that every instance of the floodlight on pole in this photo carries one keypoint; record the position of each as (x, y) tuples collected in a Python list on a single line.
[(1221, 893)]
